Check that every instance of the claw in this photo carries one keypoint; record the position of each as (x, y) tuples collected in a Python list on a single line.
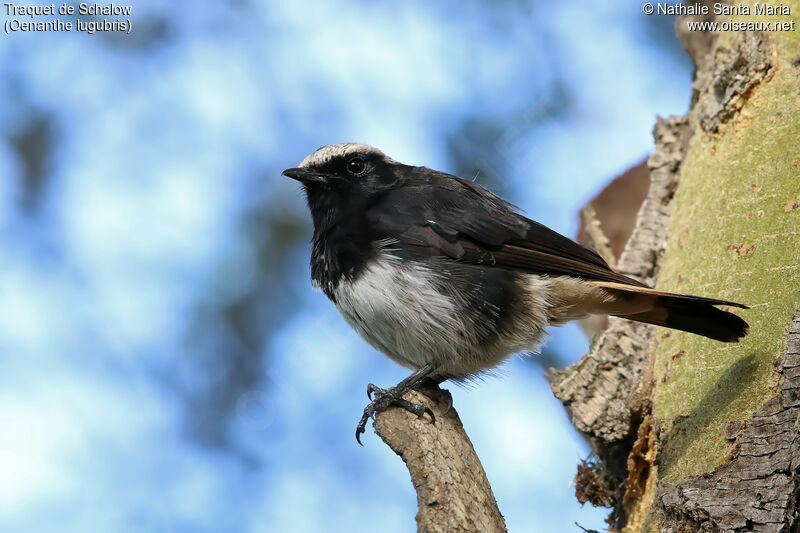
[(417, 409), (371, 389), (385, 398), (433, 391), (361, 428), (448, 399)]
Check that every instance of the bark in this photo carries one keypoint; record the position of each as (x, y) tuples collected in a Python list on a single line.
[(690, 434), (453, 494), (607, 392), (757, 490), (613, 213)]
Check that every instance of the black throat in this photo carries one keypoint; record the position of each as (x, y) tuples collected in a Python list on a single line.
[(342, 242)]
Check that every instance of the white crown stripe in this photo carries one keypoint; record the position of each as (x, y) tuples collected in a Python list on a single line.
[(331, 151)]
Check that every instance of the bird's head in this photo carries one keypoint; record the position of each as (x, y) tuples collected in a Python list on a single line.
[(347, 168), (341, 180)]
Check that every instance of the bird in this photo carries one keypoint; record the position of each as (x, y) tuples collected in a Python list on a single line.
[(448, 279)]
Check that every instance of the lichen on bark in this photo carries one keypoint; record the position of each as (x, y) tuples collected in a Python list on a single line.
[(726, 441), (731, 238), (734, 234)]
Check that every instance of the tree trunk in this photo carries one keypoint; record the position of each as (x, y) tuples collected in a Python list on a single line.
[(692, 434)]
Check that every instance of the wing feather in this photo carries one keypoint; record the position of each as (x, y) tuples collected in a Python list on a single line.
[(445, 216)]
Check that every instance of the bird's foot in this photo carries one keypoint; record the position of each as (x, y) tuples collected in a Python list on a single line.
[(385, 398), (430, 388)]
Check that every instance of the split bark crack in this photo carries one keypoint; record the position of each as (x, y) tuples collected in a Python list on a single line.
[(607, 392)]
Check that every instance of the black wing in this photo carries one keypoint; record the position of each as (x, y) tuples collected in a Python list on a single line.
[(442, 215)]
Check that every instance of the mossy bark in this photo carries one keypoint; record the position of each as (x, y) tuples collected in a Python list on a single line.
[(723, 450), (691, 434)]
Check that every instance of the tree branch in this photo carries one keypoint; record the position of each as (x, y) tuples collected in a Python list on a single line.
[(453, 493)]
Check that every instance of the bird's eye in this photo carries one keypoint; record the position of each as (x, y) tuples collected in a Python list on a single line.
[(356, 166)]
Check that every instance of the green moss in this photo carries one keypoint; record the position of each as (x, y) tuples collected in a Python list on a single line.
[(733, 235)]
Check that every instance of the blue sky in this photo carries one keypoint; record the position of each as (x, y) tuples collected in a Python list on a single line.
[(161, 169)]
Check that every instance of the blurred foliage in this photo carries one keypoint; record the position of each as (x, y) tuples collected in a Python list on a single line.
[(33, 144), (250, 299)]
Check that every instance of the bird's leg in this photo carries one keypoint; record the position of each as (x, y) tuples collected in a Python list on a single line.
[(393, 396), (430, 387)]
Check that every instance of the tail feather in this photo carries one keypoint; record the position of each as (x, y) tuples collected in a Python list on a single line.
[(695, 316), (654, 292)]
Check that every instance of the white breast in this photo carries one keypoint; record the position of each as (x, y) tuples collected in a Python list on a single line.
[(404, 310), (395, 306)]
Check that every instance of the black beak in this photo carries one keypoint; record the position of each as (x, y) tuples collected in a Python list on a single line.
[(304, 175)]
